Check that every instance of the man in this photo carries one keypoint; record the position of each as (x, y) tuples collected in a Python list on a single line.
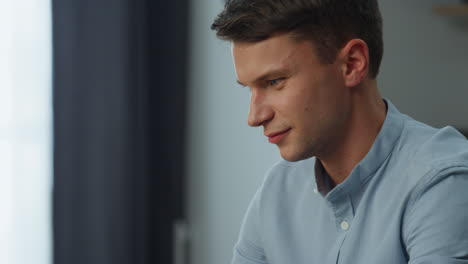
[(360, 182)]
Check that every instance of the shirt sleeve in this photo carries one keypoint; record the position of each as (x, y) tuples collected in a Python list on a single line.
[(249, 249), (436, 228)]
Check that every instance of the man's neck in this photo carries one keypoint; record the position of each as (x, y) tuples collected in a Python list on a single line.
[(366, 119)]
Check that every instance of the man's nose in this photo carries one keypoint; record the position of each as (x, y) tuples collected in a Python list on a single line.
[(260, 112)]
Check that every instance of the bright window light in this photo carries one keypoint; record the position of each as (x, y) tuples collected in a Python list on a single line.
[(25, 132)]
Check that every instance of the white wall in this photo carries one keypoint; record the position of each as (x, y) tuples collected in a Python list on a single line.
[(423, 73)]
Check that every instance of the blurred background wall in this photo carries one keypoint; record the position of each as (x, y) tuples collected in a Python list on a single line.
[(424, 73)]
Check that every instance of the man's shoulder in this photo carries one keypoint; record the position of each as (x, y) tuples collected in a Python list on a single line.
[(425, 155), (432, 147)]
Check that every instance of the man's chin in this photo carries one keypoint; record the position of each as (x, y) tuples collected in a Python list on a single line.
[(293, 156)]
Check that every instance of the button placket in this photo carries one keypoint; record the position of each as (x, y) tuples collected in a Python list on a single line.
[(344, 214)]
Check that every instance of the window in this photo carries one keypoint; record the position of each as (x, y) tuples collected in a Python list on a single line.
[(25, 132)]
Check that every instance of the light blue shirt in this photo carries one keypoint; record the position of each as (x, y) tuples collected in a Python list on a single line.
[(405, 202)]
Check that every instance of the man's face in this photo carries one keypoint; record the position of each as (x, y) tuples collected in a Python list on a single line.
[(303, 105)]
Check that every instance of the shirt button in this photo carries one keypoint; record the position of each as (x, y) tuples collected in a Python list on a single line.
[(315, 191), (344, 225)]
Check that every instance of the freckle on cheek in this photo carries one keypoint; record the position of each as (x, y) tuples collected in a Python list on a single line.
[(307, 109)]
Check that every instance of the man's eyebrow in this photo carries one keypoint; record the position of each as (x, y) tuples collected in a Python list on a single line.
[(268, 75)]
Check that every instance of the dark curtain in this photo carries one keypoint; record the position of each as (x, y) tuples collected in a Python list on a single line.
[(119, 115)]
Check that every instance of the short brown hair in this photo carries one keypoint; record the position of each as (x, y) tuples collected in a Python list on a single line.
[(329, 23)]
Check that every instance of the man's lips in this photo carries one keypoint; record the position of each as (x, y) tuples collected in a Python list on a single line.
[(275, 137)]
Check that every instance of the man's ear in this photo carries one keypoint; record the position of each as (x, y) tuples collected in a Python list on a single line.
[(355, 62)]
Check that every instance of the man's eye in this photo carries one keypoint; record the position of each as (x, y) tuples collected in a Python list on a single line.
[(275, 81)]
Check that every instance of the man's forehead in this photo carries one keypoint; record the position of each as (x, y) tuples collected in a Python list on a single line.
[(255, 60)]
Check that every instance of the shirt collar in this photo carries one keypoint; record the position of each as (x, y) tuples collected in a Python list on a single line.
[(366, 168)]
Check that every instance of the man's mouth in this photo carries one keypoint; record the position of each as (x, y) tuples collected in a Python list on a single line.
[(276, 137)]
